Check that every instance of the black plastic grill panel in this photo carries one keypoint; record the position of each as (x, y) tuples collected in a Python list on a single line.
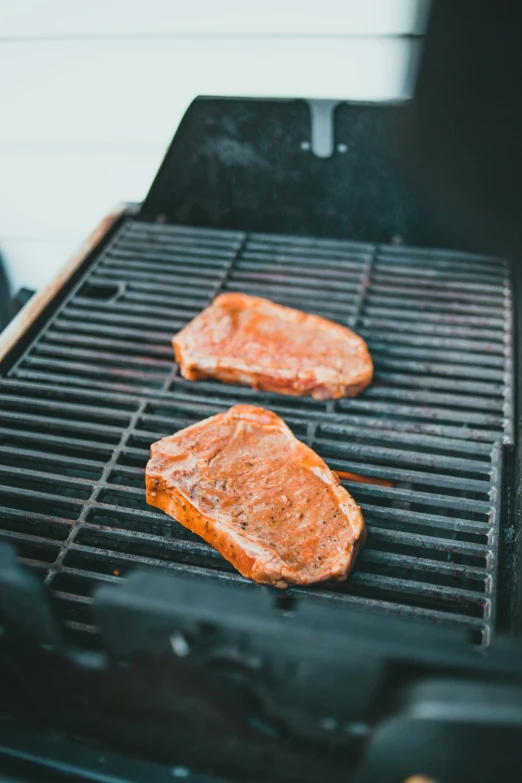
[(81, 407)]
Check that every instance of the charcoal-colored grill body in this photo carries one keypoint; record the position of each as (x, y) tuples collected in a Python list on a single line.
[(98, 384)]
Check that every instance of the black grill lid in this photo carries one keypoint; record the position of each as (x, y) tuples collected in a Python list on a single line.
[(265, 165)]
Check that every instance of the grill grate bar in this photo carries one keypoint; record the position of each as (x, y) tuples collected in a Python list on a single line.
[(434, 382), (172, 295), (110, 371), (410, 496), (411, 476), (424, 520), (404, 585), (194, 286), (47, 521), (17, 418), (437, 280), (125, 346), (95, 399), (433, 368), (331, 290), (123, 385), (209, 251), (109, 318), (15, 536), (451, 257), (165, 233), (317, 259), (130, 310), (396, 456), (434, 328), (485, 313), (147, 336), (422, 316), (342, 278), (55, 440), (42, 476), (461, 357), (426, 566), (31, 455), (448, 546), (42, 404), (52, 494), (449, 293), (442, 398), (134, 252), (114, 358)]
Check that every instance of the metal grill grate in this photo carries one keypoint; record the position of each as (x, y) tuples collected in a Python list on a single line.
[(438, 323), (98, 385)]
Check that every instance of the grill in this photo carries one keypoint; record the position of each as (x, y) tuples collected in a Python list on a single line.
[(83, 402)]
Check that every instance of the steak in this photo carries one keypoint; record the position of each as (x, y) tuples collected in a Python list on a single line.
[(242, 481), (255, 342)]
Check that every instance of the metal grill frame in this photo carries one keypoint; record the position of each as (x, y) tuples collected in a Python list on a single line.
[(348, 418)]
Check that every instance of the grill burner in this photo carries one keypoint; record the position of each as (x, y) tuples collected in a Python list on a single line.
[(81, 406)]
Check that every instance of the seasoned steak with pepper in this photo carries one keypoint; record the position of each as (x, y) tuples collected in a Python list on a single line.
[(272, 507), (255, 342)]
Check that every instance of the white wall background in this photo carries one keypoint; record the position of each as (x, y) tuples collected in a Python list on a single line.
[(92, 92)]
